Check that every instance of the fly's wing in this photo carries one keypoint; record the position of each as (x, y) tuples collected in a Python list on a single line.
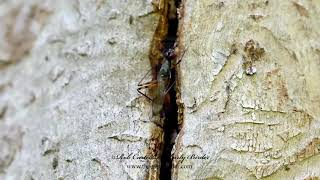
[(162, 96), (157, 103)]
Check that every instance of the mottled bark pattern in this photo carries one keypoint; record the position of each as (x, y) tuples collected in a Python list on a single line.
[(250, 90)]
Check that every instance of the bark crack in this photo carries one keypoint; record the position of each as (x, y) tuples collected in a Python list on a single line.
[(170, 126), (162, 91)]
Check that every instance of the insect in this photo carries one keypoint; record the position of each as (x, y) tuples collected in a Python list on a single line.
[(160, 87)]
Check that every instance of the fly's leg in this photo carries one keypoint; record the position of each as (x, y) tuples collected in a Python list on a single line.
[(170, 87), (175, 65), (140, 82), (147, 85)]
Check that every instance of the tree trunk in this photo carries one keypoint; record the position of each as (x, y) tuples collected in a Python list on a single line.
[(246, 89), (250, 90), (69, 103)]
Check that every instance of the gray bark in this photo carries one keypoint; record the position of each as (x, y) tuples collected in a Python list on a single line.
[(69, 101), (248, 90)]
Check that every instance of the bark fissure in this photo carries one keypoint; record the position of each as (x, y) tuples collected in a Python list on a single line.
[(162, 90), (170, 126)]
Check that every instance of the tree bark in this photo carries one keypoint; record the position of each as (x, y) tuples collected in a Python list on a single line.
[(250, 90), (248, 93), (69, 103)]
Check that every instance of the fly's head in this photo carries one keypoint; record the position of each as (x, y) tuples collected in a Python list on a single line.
[(170, 53)]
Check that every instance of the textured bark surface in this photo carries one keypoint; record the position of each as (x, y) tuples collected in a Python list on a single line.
[(69, 73), (250, 90)]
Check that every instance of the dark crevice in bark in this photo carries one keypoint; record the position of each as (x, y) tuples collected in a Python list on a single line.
[(170, 126)]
